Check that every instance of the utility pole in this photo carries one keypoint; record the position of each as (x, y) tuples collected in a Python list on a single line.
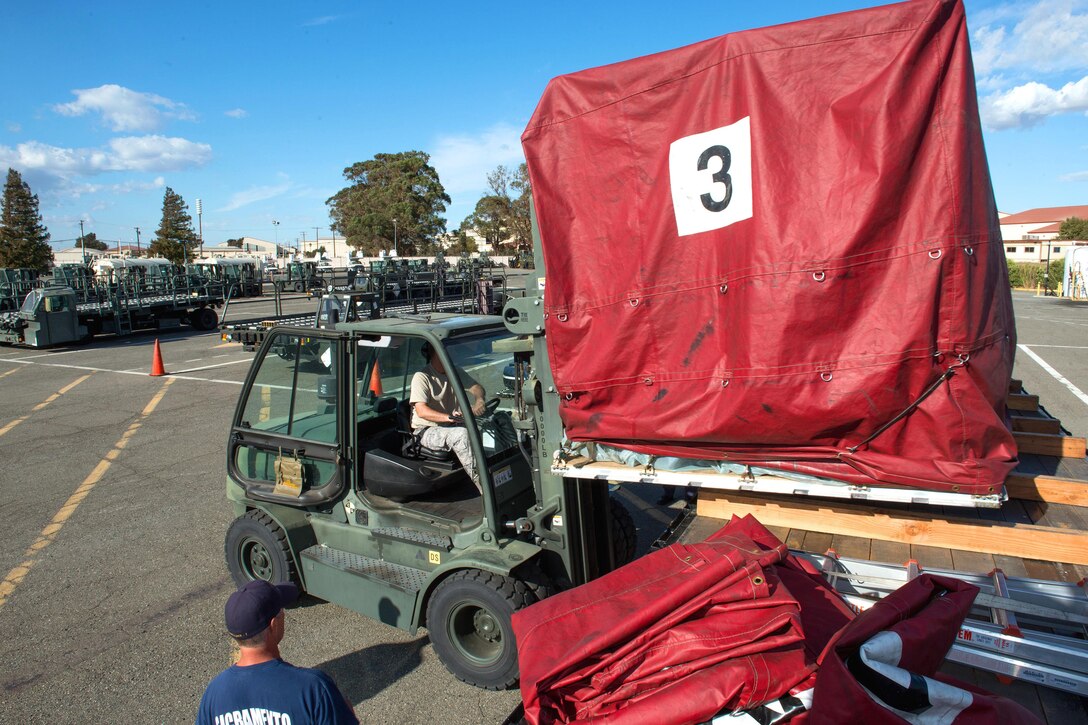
[(395, 238), (138, 251), (82, 242), (317, 236), (200, 222)]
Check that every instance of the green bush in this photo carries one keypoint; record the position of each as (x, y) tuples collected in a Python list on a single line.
[(1029, 275)]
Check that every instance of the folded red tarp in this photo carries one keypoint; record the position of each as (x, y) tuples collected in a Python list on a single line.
[(766, 247), (736, 623), (678, 634)]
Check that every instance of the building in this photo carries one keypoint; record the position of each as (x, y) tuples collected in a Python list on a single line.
[(250, 247), (1032, 235)]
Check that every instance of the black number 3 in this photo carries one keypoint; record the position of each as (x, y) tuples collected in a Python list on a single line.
[(720, 177)]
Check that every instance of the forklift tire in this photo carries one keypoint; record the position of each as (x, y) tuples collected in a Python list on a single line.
[(299, 287), (624, 536), (468, 618), (257, 548), (203, 319)]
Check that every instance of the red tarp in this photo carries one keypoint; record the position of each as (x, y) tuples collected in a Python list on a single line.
[(765, 247), (737, 623), (679, 634)]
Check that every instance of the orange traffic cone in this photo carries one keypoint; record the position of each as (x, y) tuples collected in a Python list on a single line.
[(376, 381), (156, 362)]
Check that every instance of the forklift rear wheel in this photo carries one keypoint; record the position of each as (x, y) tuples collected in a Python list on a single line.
[(468, 618), (256, 548), (298, 287), (624, 535)]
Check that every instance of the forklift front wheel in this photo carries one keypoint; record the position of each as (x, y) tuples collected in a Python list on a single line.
[(468, 618), (257, 548)]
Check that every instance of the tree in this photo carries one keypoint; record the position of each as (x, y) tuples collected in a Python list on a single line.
[(402, 187), (462, 242), (175, 238), (236, 243), (90, 241), (515, 187), (1074, 229), (490, 219), (24, 240)]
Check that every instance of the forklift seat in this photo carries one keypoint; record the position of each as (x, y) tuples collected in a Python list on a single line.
[(411, 446)]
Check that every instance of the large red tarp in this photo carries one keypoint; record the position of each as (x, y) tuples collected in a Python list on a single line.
[(765, 247)]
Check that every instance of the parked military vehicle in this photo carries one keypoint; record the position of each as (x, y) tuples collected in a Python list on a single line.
[(15, 283), (59, 315), (297, 276), (240, 276)]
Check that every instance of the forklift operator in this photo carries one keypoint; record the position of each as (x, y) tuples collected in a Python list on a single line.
[(436, 419)]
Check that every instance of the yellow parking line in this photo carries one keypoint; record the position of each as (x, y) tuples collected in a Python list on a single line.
[(9, 372), (49, 533), (42, 404)]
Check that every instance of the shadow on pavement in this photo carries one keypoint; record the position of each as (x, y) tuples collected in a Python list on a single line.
[(362, 675)]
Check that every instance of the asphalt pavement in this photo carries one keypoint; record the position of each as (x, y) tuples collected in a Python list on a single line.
[(114, 515)]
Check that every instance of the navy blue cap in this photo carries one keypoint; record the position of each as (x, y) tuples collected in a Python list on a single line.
[(250, 609)]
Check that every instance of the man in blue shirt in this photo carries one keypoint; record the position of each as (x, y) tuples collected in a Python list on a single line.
[(262, 688)]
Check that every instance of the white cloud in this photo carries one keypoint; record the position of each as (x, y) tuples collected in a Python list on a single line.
[(255, 194), (237, 113), (124, 109), (13, 127), (463, 161), (1076, 176), (1031, 103), (127, 153), (1052, 35), (78, 190)]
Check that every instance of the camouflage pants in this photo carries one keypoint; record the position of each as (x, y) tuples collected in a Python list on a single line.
[(455, 439)]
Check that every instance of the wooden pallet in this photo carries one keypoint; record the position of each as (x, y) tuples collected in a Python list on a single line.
[(1041, 531)]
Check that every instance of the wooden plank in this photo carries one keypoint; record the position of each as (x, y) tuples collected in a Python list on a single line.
[(1041, 569), (1036, 425), (1016, 386), (796, 539), (1051, 489), (972, 561), (1048, 444), (931, 557), (1011, 565), (1025, 540), (1062, 707), (817, 542), (852, 547), (781, 532), (1020, 401), (889, 552)]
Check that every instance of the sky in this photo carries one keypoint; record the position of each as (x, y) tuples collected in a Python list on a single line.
[(257, 108)]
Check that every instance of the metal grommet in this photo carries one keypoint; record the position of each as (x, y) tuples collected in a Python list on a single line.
[(935, 253), (826, 377), (724, 288), (568, 396), (562, 317), (633, 301), (969, 251), (757, 580), (819, 276), (725, 383), (648, 381)]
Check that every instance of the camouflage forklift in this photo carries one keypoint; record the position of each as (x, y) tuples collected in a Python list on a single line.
[(333, 491)]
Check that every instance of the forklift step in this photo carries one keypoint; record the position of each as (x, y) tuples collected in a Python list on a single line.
[(412, 536), (399, 577)]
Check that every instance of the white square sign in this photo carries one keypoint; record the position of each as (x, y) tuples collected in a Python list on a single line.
[(710, 175)]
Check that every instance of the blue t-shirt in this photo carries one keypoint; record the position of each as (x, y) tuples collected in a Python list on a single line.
[(273, 693)]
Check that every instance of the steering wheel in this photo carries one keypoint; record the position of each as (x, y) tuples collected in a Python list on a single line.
[(490, 407)]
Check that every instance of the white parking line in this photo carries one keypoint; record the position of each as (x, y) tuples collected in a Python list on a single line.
[(1055, 374), (125, 372), (217, 365)]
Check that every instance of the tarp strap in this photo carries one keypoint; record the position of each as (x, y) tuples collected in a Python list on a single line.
[(961, 361)]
